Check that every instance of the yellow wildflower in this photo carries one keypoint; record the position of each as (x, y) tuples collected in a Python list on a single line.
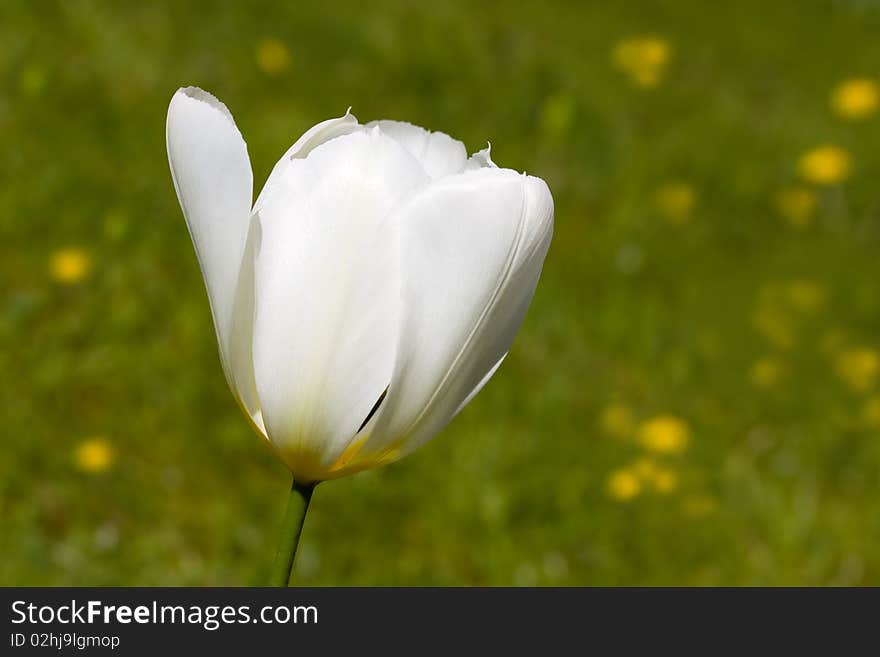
[(664, 481), (775, 325), (664, 434), (796, 205), (858, 368), (94, 455), (623, 485), (660, 479), (69, 265), (871, 413), (642, 59), (856, 99), (272, 56), (825, 165), (766, 372), (806, 296), (675, 201)]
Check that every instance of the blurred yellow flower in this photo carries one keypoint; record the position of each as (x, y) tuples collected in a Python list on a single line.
[(858, 368), (856, 99), (623, 485), (94, 455), (775, 325), (664, 481), (796, 205), (642, 59), (806, 296), (780, 309), (70, 265), (617, 421), (699, 506), (871, 413), (766, 372), (660, 479), (664, 434), (825, 165), (273, 57), (675, 200)]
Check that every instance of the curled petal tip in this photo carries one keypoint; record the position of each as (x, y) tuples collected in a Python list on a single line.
[(348, 117), (482, 158)]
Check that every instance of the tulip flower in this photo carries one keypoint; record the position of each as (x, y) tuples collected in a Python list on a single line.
[(368, 294)]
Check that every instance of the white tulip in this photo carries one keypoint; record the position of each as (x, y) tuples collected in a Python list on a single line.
[(373, 288)]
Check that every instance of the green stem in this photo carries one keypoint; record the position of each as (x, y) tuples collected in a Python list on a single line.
[(297, 505)]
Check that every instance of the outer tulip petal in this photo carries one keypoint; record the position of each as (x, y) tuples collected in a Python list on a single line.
[(312, 138), (327, 294), (472, 250), (439, 154), (212, 176)]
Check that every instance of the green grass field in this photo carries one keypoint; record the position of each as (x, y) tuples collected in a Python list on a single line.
[(694, 397)]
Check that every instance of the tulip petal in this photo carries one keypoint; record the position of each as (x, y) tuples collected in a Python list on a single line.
[(212, 176), (241, 334), (439, 154), (312, 138), (481, 159), (472, 248), (479, 386), (327, 294)]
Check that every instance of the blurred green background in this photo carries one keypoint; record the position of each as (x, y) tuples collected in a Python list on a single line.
[(694, 397)]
